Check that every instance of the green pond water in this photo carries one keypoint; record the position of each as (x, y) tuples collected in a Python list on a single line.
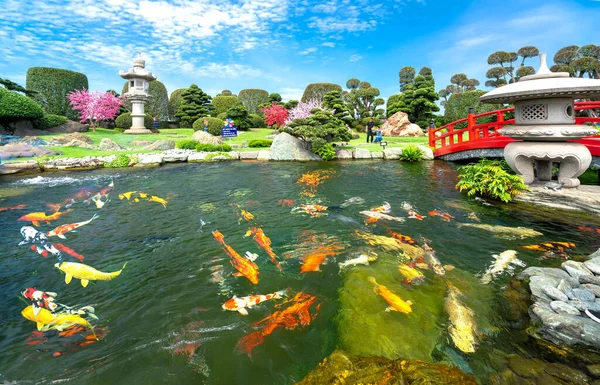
[(170, 294)]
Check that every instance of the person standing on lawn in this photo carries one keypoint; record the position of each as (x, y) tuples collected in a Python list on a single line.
[(370, 133)]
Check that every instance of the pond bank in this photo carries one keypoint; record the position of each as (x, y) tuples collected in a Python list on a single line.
[(582, 199)]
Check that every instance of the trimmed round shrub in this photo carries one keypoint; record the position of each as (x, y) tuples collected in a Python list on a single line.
[(187, 144), (239, 114), (318, 91), (257, 121), (223, 103), (124, 122), (175, 101), (260, 143), (252, 98), (49, 120), (214, 125), (205, 147), (16, 106), (53, 85)]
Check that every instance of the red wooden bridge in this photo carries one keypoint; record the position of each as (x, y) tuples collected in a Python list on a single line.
[(461, 139)]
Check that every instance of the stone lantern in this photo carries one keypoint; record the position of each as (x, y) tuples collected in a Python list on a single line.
[(137, 92), (544, 122)]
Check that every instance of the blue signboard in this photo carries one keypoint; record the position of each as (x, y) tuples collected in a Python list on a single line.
[(229, 132)]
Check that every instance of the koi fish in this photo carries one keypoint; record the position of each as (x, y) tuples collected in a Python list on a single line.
[(411, 211), (79, 196), (264, 243), (462, 321), (127, 195), (371, 220), (589, 229), (40, 299), (63, 229), (97, 198), (297, 314), (219, 237), (39, 242), (69, 251), (36, 218), (286, 202), (443, 214), (244, 215), (378, 215), (245, 267), (360, 260), (394, 301), (411, 275), (315, 259), (473, 217), (314, 210), (549, 246), (156, 199), (85, 273), (402, 238), (504, 261), (17, 207), (386, 208), (430, 261), (251, 256), (520, 232), (241, 304), (45, 320)]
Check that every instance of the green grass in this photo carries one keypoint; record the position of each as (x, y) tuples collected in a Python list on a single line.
[(590, 177)]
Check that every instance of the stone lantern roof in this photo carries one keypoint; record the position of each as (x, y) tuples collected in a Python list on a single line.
[(544, 84), (138, 71)]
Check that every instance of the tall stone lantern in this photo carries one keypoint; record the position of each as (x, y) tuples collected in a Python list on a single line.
[(544, 122), (137, 92)]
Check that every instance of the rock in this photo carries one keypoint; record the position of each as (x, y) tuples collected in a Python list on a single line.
[(361, 153), (287, 147), (582, 305), (249, 155), (197, 157), (22, 127), (109, 144), (589, 279), (176, 155), (70, 127), (522, 366), (566, 373), (399, 125), (581, 294), (392, 153), (555, 294), (564, 308), (147, 160), (161, 145), (553, 272), (594, 370), (595, 254), (377, 155), (31, 140), (74, 136), (16, 150), (595, 289), (79, 143), (538, 283), (593, 265), (217, 157), (575, 269), (342, 153), (264, 155), (18, 167), (85, 163), (206, 138), (564, 286), (137, 143), (427, 152), (270, 137)]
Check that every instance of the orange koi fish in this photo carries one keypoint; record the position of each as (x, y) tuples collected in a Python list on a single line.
[(396, 303), (412, 213), (297, 314), (312, 180), (402, 238), (589, 229), (17, 207), (36, 218), (263, 242), (386, 208), (315, 259), (219, 237), (286, 202), (371, 220), (240, 304), (444, 215), (314, 210), (244, 266), (548, 246), (60, 231), (69, 251)]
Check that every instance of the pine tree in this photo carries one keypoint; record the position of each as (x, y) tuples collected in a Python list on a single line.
[(333, 101), (418, 100), (196, 104)]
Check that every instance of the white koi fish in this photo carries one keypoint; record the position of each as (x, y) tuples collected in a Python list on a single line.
[(240, 304), (379, 215), (360, 260), (504, 261)]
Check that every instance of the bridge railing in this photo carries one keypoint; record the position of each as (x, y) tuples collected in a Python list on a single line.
[(453, 137)]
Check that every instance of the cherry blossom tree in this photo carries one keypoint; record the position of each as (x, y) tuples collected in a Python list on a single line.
[(275, 114), (95, 106), (304, 109)]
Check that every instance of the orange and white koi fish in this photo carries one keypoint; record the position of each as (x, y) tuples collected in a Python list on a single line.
[(36, 218), (412, 213), (314, 260), (80, 195), (241, 304), (402, 238), (297, 314), (439, 213), (430, 261), (60, 231), (376, 216), (386, 208), (244, 266), (264, 242), (396, 303), (156, 199), (505, 261), (314, 210), (69, 251), (589, 229), (40, 299), (286, 202), (360, 260), (17, 207)]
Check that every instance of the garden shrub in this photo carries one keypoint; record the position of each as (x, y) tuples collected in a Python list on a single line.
[(16, 106), (214, 125), (318, 91), (121, 161), (175, 101), (325, 151), (239, 114), (53, 85), (257, 121), (210, 157), (260, 143), (195, 104), (457, 107), (411, 153), (222, 117), (187, 144), (252, 98), (490, 178), (123, 121), (322, 124), (223, 103), (202, 147), (49, 120)]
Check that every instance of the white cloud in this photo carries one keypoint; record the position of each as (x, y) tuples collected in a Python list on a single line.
[(355, 58), (308, 51), (291, 93), (329, 44)]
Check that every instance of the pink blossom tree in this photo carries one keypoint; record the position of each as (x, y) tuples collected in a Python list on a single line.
[(95, 106), (303, 109), (275, 115)]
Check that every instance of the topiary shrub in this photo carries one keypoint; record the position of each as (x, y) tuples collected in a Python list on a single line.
[(201, 147), (214, 125), (257, 121), (121, 161), (490, 178), (124, 122), (252, 98), (53, 85), (187, 144), (411, 153), (318, 91), (260, 143), (16, 106), (49, 120), (223, 103), (175, 101)]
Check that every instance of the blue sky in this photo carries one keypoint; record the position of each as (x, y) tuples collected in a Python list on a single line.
[(282, 45)]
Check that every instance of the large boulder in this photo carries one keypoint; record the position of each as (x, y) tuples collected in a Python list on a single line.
[(399, 125), (288, 147), (342, 153), (73, 136), (23, 127), (23, 150), (109, 144), (361, 153), (161, 145), (81, 144), (206, 138), (69, 127)]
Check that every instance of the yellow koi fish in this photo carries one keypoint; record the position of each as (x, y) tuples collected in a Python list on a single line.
[(156, 199), (411, 275), (127, 195), (46, 320), (396, 303), (143, 195), (85, 273)]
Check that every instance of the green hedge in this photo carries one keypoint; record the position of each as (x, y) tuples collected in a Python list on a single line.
[(16, 106), (201, 147), (214, 125), (187, 144), (318, 90), (49, 120), (223, 103), (257, 121), (252, 98), (53, 85), (260, 143), (124, 122)]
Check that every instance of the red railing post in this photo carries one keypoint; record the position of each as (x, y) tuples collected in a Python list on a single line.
[(471, 124)]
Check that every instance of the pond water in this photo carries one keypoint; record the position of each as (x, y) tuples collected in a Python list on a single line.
[(161, 320)]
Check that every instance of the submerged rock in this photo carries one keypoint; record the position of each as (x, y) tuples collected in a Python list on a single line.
[(341, 368)]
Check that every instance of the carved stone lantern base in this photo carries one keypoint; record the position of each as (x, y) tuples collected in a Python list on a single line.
[(574, 159)]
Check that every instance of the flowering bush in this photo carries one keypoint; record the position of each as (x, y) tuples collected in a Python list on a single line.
[(275, 115), (95, 106), (304, 110)]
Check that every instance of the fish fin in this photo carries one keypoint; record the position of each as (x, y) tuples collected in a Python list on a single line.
[(389, 308), (39, 326), (237, 274), (448, 267), (409, 302), (68, 278), (61, 236), (243, 311), (84, 282), (35, 223), (51, 294)]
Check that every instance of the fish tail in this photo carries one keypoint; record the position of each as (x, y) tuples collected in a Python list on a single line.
[(372, 280), (95, 216)]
